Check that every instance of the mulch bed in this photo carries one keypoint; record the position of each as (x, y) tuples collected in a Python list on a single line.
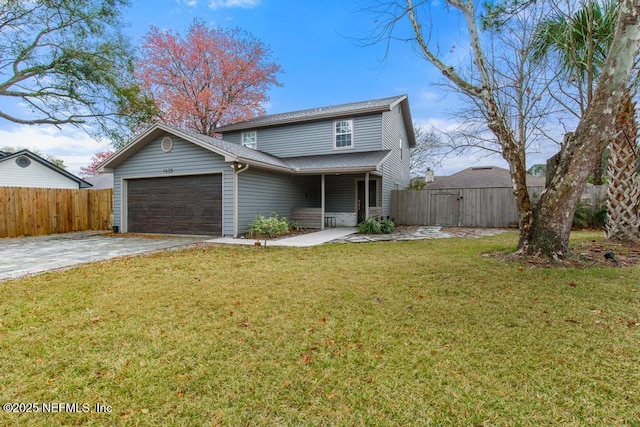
[(586, 254)]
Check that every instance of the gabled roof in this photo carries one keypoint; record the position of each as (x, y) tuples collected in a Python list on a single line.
[(330, 112), (481, 177), (330, 163), (8, 156)]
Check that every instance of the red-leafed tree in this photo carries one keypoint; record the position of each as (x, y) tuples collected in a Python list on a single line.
[(208, 78), (96, 160)]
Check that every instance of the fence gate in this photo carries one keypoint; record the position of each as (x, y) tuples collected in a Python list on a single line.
[(445, 209)]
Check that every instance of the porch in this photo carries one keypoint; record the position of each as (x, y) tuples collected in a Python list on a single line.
[(341, 201)]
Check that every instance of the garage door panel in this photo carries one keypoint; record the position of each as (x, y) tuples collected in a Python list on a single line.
[(175, 205)]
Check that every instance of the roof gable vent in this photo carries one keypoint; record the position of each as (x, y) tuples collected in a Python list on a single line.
[(167, 144), (23, 161)]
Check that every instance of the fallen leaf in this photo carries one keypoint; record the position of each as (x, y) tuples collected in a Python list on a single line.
[(596, 311), (572, 284), (306, 358), (244, 323), (287, 384), (95, 319), (180, 395), (324, 320)]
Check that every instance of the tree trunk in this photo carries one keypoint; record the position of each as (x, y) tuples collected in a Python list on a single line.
[(623, 194), (550, 225)]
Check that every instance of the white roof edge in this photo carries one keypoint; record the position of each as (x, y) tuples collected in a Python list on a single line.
[(123, 152)]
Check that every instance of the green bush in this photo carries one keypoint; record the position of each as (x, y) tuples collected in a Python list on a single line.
[(268, 227), (374, 226), (387, 226), (588, 216)]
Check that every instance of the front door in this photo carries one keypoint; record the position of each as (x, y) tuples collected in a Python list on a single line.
[(373, 192)]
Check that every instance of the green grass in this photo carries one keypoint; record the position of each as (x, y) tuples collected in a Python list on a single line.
[(415, 333)]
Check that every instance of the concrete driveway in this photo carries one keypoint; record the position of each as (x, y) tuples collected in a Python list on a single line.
[(28, 255)]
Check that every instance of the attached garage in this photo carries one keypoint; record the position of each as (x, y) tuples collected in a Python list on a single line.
[(175, 205)]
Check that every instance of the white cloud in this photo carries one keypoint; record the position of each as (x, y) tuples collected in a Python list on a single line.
[(189, 3), (71, 145), (220, 4)]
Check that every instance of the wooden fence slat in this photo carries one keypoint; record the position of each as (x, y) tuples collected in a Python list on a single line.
[(474, 207), (39, 211)]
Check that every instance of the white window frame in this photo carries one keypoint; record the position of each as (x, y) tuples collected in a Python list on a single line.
[(335, 134), (253, 145)]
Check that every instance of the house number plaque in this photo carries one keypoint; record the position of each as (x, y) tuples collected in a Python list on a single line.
[(167, 170)]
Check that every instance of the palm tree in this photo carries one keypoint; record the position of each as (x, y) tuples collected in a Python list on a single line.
[(580, 43), (623, 191)]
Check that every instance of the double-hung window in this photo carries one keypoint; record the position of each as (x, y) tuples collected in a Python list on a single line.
[(343, 134), (250, 139)]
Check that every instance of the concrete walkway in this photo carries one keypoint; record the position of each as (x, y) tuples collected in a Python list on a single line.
[(301, 240)]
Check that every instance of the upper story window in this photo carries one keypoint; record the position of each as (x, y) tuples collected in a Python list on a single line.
[(343, 130), (250, 139)]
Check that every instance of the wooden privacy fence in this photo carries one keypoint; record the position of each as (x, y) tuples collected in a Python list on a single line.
[(38, 211), (469, 207)]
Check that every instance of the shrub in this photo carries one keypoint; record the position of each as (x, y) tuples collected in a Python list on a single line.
[(268, 227), (374, 226), (589, 216), (416, 185)]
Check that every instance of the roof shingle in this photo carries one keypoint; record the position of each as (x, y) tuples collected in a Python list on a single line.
[(354, 108), (481, 177)]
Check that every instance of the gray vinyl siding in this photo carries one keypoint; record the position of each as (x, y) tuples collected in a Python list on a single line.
[(395, 171), (340, 193), (315, 138), (262, 192), (184, 159)]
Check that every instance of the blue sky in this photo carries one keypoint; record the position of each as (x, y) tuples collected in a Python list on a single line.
[(319, 45)]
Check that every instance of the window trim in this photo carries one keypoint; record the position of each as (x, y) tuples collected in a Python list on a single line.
[(255, 139), (335, 134)]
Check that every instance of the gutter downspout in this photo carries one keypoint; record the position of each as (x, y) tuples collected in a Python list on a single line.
[(237, 169)]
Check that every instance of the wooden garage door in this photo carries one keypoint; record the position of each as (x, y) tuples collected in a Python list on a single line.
[(175, 205)]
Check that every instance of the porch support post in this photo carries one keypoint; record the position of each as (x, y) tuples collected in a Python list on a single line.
[(366, 195), (235, 200), (322, 190)]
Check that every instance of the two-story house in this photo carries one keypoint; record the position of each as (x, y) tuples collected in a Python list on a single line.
[(330, 166)]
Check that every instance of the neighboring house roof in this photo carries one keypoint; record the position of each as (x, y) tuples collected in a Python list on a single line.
[(481, 177), (330, 163), (100, 181), (330, 112), (9, 156), (2, 154)]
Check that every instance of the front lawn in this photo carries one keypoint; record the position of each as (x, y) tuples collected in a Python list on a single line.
[(431, 332)]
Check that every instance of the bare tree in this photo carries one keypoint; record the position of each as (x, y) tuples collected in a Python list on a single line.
[(545, 227), (426, 152)]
